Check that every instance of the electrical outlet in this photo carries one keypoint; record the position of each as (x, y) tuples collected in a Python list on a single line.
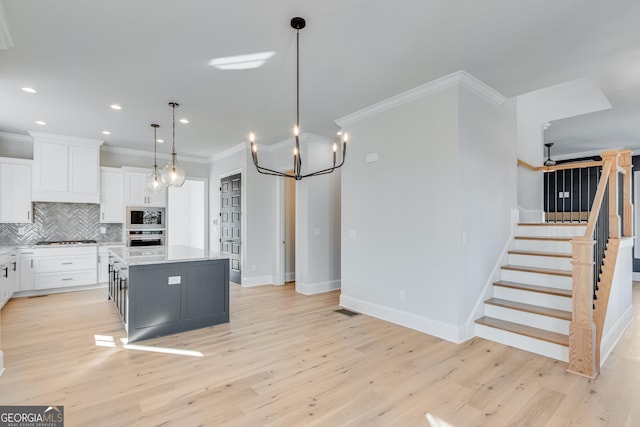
[(352, 234), (22, 230), (103, 230), (403, 296)]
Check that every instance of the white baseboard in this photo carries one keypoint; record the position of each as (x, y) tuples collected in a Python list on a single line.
[(38, 292), (419, 323), (635, 276), (609, 341), (257, 281), (317, 288), (290, 277)]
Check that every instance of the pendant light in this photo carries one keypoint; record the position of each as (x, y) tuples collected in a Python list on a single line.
[(298, 24), (173, 173), (154, 180)]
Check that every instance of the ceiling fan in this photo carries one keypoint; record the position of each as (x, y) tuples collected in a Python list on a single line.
[(549, 162)]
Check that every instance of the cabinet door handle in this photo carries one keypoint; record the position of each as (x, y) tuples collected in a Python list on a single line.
[(67, 263), (6, 271), (28, 214), (32, 263), (14, 265), (67, 279), (102, 216)]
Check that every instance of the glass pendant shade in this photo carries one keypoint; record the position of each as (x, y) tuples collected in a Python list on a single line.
[(154, 179), (173, 174)]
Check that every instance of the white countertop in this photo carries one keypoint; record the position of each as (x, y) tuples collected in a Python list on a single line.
[(160, 255)]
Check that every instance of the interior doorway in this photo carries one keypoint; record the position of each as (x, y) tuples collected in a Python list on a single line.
[(187, 207), (289, 242)]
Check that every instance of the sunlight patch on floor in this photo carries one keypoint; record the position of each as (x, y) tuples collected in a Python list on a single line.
[(109, 341), (436, 421)]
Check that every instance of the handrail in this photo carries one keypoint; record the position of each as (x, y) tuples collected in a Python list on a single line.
[(562, 166), (528, 166), (597, 201)]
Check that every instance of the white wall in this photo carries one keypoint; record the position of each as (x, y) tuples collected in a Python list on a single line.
[(425, 223), (487, 150), (535, 108)]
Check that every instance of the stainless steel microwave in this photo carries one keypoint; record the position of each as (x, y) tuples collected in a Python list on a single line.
[(145, 218)]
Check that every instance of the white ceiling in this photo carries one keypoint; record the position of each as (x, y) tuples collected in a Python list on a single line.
[(83, 55)]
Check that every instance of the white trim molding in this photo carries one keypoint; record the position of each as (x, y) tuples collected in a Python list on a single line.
[(149, 154), (609, 341), (317, 288), (248, 282), (6, 41), (459, 78), (15, 137), (229, 151), (436, 328)]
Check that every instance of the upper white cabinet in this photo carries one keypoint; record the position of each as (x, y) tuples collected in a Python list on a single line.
[(65, 169), (15, 190), (111, 195), (136, 193)]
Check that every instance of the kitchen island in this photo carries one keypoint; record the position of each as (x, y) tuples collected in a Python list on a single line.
[(165, 290)]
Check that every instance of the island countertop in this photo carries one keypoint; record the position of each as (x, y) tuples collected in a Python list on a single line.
[(160, 255)]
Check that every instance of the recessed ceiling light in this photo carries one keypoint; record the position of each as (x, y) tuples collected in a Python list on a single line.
[(116, 107), (184, 121), (241, 62), (40, 122), (160, 141), (106, 132), (29, 90)]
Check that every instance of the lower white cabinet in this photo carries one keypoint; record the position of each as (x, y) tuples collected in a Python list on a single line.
[(27, 270), (8, 276), (64, 267), (103, 262)]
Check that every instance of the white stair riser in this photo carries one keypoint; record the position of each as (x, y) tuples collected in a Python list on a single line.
[(557, 263), (554, 351), (551, 280), (550, 231), (535, 298), (543, 246), (539, 321)]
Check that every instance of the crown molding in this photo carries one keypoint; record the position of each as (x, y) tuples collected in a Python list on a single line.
[(459, 78), (15, 137), (143, 153), (71, 140), (229, 151), (6, 41)]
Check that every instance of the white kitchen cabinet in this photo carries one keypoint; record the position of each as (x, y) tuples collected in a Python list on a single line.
[(103, 262), (65, 169), (15, 191), (8, 276), (111, 195), (136, 193), (59, 267), (27, 270)]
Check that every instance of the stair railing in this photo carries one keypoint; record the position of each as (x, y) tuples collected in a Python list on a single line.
[(594, 254)]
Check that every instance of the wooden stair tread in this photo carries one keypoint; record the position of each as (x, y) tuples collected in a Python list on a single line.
[(530, 308), (538, 253), (534, 288), (538, 270), (516, 328), (546, 239)]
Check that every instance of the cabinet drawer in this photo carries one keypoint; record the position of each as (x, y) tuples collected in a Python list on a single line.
[(58, 280), (62, 264)]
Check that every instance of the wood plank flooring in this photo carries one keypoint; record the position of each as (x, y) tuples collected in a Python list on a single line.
[(289, 360)]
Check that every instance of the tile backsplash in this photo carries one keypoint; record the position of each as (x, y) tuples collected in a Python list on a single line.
[(61, 221)]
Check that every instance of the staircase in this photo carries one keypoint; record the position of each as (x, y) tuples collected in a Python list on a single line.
[(531, 304)]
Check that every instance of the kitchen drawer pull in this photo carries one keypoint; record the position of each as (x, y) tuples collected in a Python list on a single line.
[(67, 263), (66, 279)]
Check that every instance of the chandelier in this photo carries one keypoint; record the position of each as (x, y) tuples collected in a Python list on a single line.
[(298, 24)]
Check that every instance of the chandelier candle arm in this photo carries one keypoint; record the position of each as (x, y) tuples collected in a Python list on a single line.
[(297, 24)]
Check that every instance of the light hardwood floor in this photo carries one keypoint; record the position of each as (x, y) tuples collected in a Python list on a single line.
[(290, 360)]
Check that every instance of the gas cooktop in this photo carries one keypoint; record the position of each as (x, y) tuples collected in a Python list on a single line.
[(65, 242)]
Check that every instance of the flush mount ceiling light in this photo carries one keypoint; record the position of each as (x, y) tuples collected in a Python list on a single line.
[(116, 107), (173, 173), (241, 62), (154, 180), (40, 122), (184, 121), (549, 162), (106, 132), (298, 24)]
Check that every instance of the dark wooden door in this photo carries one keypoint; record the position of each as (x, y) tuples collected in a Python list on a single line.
[(230, 224)]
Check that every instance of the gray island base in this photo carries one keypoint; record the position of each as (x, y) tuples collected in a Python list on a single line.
[(166, 290)]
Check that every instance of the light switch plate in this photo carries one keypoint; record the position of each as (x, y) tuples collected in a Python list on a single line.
[(175, 280)]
